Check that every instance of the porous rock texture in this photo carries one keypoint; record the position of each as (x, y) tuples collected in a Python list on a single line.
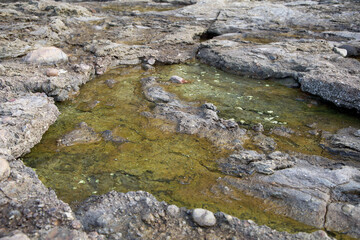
[(266, 39)]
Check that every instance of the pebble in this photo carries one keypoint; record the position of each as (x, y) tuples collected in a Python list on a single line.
[(177, 79), (4, 169), (203, 217), (52, 72), (341, 51)]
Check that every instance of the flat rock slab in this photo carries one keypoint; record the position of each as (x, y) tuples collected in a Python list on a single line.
[(312, 63), (82, 134), (304, 192)]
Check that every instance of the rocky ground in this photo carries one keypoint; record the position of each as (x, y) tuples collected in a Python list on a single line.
[(49, 49)]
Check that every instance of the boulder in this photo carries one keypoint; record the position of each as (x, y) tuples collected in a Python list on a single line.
[(203, 217), (46, 55)]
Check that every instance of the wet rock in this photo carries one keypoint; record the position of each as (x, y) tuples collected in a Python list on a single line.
[(203, 217), (312, 63), (4, 168), (147, 67), (87, 106), (202, 121), (82, 134), (282, 131), (108, 136), (52, 72), (153, 92), (345, 142), (177, 79), (46, 55), (110, 83), (265, 143)]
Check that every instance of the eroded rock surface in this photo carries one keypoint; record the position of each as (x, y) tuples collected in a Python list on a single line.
[(138, 215), (191, 119)]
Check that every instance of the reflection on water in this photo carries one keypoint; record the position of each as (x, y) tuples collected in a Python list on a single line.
[(177, 168)]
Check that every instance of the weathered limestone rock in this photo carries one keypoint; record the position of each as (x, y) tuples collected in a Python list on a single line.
[(190, 119), (24, 120), (136, 215), (46, 55), (304, 191), (345, 142), (312, 63), (82, 134), (4, 168)]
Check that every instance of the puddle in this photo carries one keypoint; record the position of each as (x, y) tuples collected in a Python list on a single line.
[(176, 168)]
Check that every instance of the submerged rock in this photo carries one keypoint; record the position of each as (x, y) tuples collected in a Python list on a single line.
[(108, 136), (82, 134), (177, 79), (190, 119)]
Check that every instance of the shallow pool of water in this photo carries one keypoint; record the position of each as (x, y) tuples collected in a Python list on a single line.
[(177, 168)]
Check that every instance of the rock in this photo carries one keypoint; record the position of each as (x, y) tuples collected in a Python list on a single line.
[(312, 63), (203, 217), (28, 118), (350, 50), (343, 218), (247, 162), (4, 169), (265, 143), (346, 142), (177, 79), (46, 55), (57, 25), (110, 83), (82, 134), (87, 106), (12, 49), (258, 127), (202, 121), (52, 72), (108, 136), (341, 51), (147, 67), (134, 214), (173, 210), (302, 191), (17, 236)]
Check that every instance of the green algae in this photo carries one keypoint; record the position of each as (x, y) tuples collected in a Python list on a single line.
[(176, 168)]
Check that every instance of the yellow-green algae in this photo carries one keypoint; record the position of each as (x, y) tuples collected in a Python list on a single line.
[(176, 168)]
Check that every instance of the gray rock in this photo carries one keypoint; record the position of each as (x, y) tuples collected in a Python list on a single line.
[(108, 136), (16, 236), (351, 51), (82, 134), (202, 121), (4, 168), (311, 63), (203, 217), (346, 142), (46, 55)]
